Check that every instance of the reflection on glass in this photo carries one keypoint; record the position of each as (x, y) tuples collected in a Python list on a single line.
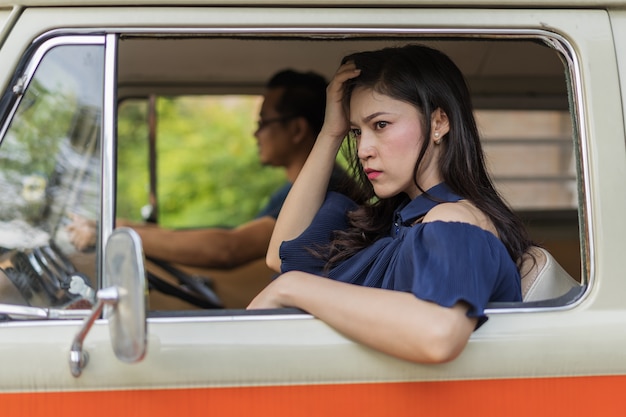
[(50, 182)]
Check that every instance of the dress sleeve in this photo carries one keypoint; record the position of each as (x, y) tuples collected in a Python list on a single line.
[(449, 262), (298, 254)]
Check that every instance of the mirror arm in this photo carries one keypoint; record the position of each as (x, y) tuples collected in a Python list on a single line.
[(78, 358)]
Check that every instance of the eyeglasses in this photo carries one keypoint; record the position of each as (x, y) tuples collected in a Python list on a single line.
[(264, 123)]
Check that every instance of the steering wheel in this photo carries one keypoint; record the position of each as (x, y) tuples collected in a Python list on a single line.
[(194, 289)]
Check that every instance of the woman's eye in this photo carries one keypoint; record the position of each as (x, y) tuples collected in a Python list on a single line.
[(354, 133), (381, 125)]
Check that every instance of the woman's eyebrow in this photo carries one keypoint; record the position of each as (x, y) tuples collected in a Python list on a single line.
[(371, 116)]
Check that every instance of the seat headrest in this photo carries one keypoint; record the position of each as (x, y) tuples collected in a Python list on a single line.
[(542, 276)]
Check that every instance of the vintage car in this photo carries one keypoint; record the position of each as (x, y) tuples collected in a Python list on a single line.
[(93, 331)]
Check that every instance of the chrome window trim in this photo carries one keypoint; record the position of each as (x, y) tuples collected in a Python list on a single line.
[(231, 318), (109, 140)]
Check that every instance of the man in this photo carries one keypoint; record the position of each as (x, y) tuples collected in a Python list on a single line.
[(290, 119)]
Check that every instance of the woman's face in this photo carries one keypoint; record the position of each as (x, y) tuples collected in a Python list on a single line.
[(389, 137)]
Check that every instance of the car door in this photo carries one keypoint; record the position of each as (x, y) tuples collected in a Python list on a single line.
[(57, 149)]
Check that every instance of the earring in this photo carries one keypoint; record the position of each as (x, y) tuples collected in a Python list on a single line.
[(438, 139)]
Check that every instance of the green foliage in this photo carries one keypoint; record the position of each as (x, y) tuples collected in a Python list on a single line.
[(41, 123), (208, 171), (132, 159)]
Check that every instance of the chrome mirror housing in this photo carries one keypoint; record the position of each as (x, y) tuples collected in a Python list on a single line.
[(124, 271)]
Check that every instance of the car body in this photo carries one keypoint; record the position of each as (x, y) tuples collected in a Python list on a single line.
[(565, 355)]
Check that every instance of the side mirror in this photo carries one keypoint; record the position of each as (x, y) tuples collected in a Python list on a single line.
[(124, 271)]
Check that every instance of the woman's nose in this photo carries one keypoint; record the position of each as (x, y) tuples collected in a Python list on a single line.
[(365, 148)]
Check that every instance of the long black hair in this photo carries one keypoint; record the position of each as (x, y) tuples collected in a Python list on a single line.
[(427, 79)]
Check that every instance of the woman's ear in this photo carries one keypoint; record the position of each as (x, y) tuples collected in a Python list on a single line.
[(439, 125)]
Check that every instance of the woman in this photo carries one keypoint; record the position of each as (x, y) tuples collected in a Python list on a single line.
[(432, 243)]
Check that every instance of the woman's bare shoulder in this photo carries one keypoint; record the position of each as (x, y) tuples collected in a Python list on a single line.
[(461, 211)]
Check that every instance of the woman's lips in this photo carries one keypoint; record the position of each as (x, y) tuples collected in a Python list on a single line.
[(372, 174)]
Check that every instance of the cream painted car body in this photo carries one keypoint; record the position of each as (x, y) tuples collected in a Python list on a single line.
[(568, 358)]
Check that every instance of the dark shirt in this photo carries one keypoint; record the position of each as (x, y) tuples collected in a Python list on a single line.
[(441, 262), (338, 180)]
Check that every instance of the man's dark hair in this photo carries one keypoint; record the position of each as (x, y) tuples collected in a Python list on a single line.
[(304, 95)]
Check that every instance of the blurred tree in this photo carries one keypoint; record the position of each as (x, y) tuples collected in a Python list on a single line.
[(207, 168)]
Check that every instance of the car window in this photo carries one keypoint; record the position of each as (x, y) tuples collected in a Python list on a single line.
[(50, 179), (520, 91), (530, 154)]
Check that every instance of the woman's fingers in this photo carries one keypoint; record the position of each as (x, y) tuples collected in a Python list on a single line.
[(336, 121), (345, 72)]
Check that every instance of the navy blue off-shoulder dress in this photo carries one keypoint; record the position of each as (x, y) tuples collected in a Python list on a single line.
[(441, 262)]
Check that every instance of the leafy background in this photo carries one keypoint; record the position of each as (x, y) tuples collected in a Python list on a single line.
[(208, 172)]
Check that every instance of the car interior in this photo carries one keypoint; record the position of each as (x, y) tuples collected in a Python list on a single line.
[(520, 92)]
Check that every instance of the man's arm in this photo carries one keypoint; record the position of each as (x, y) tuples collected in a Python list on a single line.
[(210, 247)]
